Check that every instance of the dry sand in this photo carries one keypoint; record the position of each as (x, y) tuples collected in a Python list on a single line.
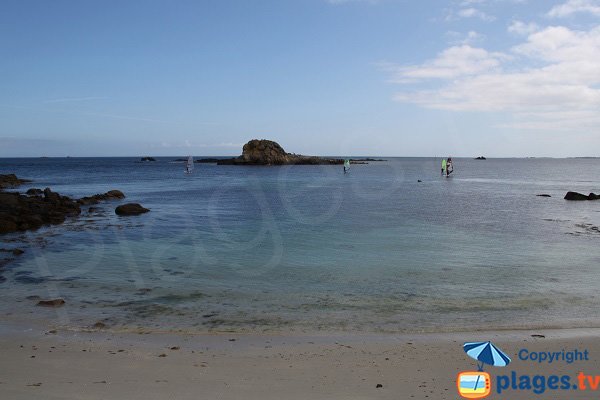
[(101, 365)]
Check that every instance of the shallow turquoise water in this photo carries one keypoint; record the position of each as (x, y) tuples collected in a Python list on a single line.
[(309, 248)]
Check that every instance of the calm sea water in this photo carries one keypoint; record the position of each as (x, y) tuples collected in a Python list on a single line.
[(307, 248)]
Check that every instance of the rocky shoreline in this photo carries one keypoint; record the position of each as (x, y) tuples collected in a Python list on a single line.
[(37, 208)]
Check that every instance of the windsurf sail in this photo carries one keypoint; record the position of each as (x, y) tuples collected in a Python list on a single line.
[(444, 165), (346, 165), (190, 165)]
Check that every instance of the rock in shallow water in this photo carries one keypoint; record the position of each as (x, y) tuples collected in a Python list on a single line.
[(580, 197), (130, 209), (95, 199)]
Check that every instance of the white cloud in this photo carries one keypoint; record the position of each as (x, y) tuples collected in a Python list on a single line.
[(575, 6), (472, 12), (522, 28), (454, 62), (470, 38), (555, 86)]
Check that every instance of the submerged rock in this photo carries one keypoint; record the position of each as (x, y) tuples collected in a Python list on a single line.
[(580, 197), (130, 209), (148, 159), (543, 195), (99, 325), (51, 303)]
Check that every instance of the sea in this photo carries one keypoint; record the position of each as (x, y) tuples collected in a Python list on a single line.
[(392, 246)]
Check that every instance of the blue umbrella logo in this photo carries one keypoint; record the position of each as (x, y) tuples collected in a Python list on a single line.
[(486, 353)]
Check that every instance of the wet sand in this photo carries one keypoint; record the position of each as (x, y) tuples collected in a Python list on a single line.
[(102, 365)]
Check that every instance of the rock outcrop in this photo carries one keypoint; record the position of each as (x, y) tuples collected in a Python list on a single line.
[(130, 209), (95, 199), (580, 197), (11, 181), (264, 152), (19, 212)]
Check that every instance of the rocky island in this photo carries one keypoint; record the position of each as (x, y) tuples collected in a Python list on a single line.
[(268, 152)]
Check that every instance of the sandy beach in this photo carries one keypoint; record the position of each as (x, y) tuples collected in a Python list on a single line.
[(100, 365)]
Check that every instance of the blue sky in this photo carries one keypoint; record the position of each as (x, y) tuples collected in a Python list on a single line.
[(329, 77)]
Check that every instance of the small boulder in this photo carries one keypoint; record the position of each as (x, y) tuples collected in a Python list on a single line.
[(51, 303), (130, 209)]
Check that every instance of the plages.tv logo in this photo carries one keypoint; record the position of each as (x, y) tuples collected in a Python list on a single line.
[(478, 384)]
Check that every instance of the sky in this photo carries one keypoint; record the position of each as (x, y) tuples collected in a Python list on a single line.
[(500, 78)]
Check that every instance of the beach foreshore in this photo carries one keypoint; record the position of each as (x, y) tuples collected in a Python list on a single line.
[(37, 363)]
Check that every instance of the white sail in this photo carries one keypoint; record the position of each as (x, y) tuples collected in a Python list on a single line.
[(190, 165)]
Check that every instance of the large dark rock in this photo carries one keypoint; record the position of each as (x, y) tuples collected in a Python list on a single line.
[(130, 209), (264, 152), (580, 197), (19, 212), (95, 199), (10, 181)]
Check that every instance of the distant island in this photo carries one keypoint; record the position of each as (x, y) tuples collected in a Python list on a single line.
[(268, 152), (481, 158)]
